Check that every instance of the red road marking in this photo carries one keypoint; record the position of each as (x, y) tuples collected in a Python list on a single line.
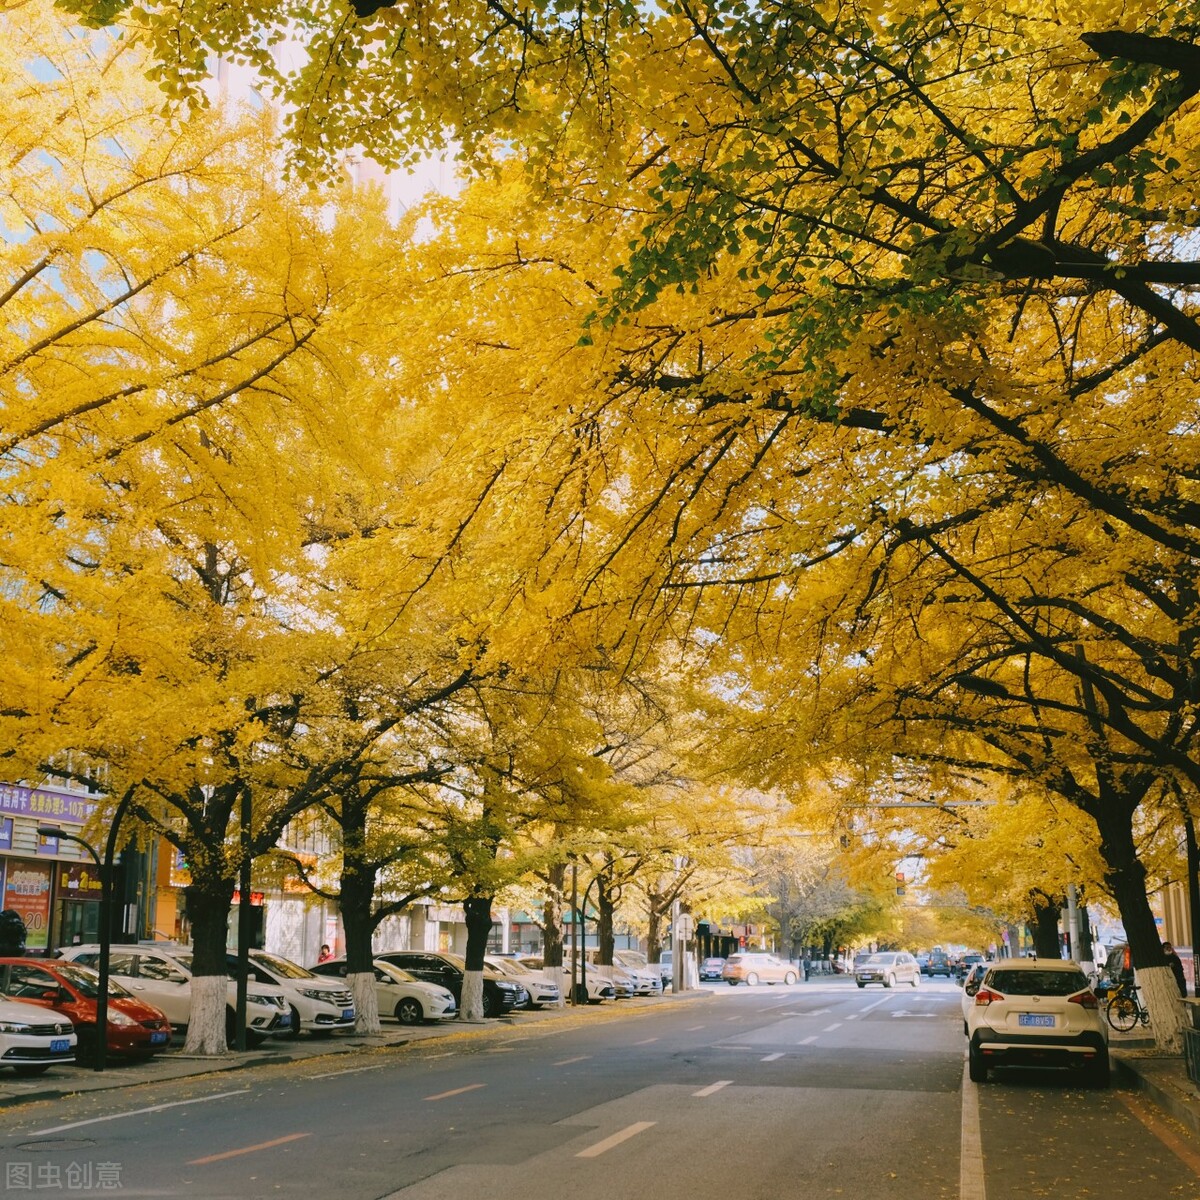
[(457, 1091), (291, 1137)]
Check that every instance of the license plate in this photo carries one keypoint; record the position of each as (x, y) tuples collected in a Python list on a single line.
[(286, 1019), (158, 1039), (347, 1014), (1038, 1019), (59, 1045)]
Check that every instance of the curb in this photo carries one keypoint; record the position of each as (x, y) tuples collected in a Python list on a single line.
[(1165, 1097)]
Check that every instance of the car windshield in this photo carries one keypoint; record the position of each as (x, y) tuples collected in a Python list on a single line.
[(884, 959), (282, 966), (399, 974), (1037, 983), (87, 983)]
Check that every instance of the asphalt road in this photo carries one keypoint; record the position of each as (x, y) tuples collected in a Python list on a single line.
[(817, 1090)]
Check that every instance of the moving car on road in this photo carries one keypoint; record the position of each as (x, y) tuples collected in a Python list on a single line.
[(752, 966), (711, 969), (1037, 1012), (888, 967)]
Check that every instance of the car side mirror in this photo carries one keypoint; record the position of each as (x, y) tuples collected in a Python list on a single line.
[(971, 988), (56, 995)]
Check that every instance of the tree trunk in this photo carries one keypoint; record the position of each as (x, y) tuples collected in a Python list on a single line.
[(552, 923), (1046, 915), (357, 901), (1126, 879), (210, 1022), (605, 936), (477, 911), (654, 914)]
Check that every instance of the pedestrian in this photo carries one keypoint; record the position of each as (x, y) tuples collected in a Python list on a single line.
[(1176, 965), (325, 955)]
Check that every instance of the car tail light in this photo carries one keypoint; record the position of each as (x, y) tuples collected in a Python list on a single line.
[(983, 996), (1086, 999)]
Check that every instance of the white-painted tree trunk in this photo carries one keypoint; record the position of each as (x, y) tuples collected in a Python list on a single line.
[(1160, 994), (471, 1008), (548, 976), (206, 1024), (366, 1002)]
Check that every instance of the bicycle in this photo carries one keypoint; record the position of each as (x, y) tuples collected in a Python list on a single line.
[(1125, 1009)]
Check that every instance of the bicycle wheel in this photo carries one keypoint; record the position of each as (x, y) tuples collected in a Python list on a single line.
[(1122, 1013)]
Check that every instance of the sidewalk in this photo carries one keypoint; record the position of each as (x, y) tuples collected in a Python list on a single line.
[(1161, 1078)]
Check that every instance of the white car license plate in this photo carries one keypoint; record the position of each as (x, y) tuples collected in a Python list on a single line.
[(347, 1014), (1039, 1019), (59, 1045)]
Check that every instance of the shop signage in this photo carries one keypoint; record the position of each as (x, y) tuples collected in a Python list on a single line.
[(43, 803), (78, 881)]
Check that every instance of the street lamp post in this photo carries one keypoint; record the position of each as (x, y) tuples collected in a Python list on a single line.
[(105, 868)]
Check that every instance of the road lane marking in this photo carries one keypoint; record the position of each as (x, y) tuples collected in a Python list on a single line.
[(616, 1139), (350, 1071), (567, 1061), (734, 1018), (211, 1158), (693, 1028), (644, 1042), (851, 1016), (831, 1028), (773, 1057), (816, 1012), (457, 1091), (875, 1005), (808, 1041), (137, 1112), (970, 1166), (713, 1087)]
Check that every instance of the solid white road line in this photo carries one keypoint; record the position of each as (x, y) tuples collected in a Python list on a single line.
[(970, 1170), (137, 1112), (567, 1061), (616, 1139), (713, 1087), (644, 1042), (773, 1057)]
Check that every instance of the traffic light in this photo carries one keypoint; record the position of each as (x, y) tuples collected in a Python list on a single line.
[(899, 883)]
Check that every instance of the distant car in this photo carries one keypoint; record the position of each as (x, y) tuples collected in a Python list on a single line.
[(647, 979), (398, 993), (135, 1028), (965, 962), (32, 1041), (711, 968), (938, 964), (751, 967), (888, 967), (1037, 1012), (970, 983), (500, 993)]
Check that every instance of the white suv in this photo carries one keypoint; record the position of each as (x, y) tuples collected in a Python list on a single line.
[(161, 973), (1036, 1012), (318, 1005)]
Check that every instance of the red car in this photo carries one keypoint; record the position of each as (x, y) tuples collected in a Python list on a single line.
[(135, 1028)]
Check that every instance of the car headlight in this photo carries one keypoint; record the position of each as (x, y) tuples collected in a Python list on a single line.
[(315, 994), (259, 998), (13, 1027), (506, 987), (119, 1018)]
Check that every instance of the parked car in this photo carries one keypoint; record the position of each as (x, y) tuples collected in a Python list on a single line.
[(135, 1028), (161, 974), (597, 985), (399, 994), (666, 968), (971, 982), (647, 979), (1037, 1012), (541, 989), (32, 1041), (888, 967), (751, 967), (500, 993), (318, 1005), (624, 983), (710, 969)]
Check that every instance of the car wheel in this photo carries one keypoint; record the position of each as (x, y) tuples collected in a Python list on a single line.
[(409, 1011), (915, 980), (490, 1006), (32, 1068), (790, 977), (295, 1029), (581, 993), (254, 1040), (966, 1031), (861, 985), (733, 983), (1100, 1072), (976, 1068), (751, 979), (890, 981)]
